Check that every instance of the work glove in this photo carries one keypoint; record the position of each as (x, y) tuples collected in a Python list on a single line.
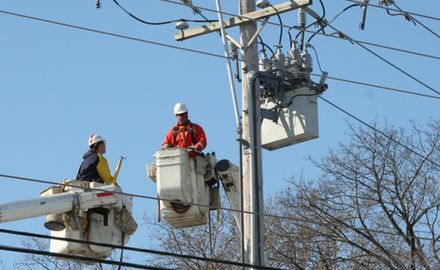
[(192, 148)]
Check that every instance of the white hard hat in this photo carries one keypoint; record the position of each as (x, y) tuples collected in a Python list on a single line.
[(180, 108), (95, 138)]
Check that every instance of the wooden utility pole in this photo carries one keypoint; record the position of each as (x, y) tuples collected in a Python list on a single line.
[(252, 226), (253, 231)]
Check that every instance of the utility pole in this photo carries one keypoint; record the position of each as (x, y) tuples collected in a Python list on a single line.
[(252, 225), (253, 231)]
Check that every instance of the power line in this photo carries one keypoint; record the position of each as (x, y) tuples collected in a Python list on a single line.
[(379, 87), (158, 23), (288, 218), (134, 249), (408, 12), (191, 257), (80, 258), (206, 53), (381, 46), (410, 18), (380, 132), (344, 36), (308, 31), (112, 34), (386, 61)]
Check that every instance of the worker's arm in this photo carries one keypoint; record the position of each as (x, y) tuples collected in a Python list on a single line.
[(169, 140), (104, 170), (200, 138)]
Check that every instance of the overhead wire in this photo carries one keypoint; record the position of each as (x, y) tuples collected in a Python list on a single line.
[(323, 34), (198, 51), (158, 23), (134, 249), (280, 39), (414, 20), (380, 132), (176, 47), (97, 31), (195, 51), (386, 61), (379, 87), (370, 51), (267, 215), (192, 257), (408, 12), (332, 20), (316, 22), (80, 258), (112, 34)]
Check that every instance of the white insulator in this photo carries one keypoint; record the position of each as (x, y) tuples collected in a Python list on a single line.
[(293, 56), (301, 17), (264, 63), (279, 59), (307, 62)]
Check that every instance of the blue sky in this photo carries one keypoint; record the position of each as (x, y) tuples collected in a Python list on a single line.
[(59, 85)]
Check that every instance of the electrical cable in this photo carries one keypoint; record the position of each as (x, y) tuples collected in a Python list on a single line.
[(79, 258), (264, 44), (134, 249), (207, 53), (379, 86), (332, 20), (192, 50), (316, 54), (385, 60), (380, 132), (375, 54), (159, 23), (192, 257), (323, 34), (212, 54), (318, 22), (221, 56), (381, 46), (280, 39), (151, 42), (414, 20), (410, 13), (112, 34)]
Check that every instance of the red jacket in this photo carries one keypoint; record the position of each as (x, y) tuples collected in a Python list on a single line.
[(180, 136)]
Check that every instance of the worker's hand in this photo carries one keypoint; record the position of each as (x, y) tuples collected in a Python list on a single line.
[(165, 146), (192, 148)]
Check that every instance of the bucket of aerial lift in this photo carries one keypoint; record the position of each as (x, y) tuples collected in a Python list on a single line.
[(294, 123), (181, 186), (111, 224)]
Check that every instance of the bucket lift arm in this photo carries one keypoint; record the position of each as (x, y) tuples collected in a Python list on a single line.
[(59, 203)]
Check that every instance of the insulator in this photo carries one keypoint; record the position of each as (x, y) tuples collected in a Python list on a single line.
[(279, 59), (301, 17), (264, 63), (293, 56), (182, 25), (307, 62)]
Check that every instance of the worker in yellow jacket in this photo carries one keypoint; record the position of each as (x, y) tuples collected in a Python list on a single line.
[(94, 166)]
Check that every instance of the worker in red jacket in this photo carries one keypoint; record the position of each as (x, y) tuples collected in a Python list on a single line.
[(185, 134)]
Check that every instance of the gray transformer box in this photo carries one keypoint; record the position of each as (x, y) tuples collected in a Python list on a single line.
[(297, 120)]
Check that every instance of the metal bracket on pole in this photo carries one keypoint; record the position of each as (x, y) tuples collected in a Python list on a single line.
[(239, 20)]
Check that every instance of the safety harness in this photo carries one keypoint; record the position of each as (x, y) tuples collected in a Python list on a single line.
[(191, 131)]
